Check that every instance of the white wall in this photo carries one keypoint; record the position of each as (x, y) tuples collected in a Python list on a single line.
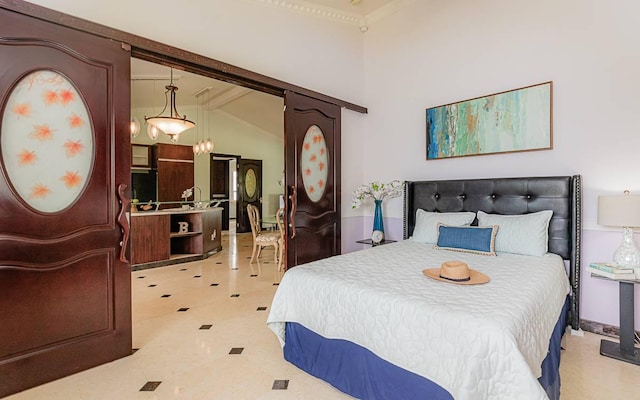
[(441, 51)]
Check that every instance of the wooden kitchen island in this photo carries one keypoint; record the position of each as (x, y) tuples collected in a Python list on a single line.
[(174, 236)]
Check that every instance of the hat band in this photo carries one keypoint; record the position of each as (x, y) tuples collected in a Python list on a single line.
[(456, 280)]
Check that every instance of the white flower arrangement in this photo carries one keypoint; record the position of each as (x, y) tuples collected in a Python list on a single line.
[(186, 194), (378, 191)]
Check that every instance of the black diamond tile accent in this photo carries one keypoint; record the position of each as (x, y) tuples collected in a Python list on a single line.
[(182, 309), (276, 284), (150, 386), (248, 258), (266, 262), (152, 285), (235, 268), (253, 275), (204, 327), (261, 309), (133, 351), (166, 295), (235, 295), (219, 262), (236, 350), (183, 269), (214, 284), (141, 277), (197, 276), (280, 384)]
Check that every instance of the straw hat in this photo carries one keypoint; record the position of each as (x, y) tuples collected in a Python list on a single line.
[(456, 272)]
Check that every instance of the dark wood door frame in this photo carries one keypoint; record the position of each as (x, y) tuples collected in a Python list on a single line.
[(225, 206), (160, 53)]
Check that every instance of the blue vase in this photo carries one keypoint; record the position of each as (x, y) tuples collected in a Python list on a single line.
[(378, 225)]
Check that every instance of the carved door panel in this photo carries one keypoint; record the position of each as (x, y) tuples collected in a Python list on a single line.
[(312, 163), (65, 278)]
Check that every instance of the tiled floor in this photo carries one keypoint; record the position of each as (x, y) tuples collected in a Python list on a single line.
[(200, 333)]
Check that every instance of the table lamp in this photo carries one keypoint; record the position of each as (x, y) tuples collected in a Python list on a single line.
[(622, 211)]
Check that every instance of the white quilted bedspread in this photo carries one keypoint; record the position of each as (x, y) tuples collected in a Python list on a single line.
[(477, 341)]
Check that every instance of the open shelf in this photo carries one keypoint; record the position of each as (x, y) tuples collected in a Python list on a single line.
[(184, 234)]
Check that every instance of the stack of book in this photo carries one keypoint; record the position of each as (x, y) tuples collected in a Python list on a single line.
[(611, 271)]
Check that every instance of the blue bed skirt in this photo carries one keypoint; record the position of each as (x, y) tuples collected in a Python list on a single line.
[(358, 372)]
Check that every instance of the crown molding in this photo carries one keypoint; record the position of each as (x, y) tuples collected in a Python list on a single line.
[(309, 8), (362, 21)]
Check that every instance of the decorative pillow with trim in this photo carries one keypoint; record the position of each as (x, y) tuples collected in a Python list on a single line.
[(468, 239), (526, 234), (426, 229)]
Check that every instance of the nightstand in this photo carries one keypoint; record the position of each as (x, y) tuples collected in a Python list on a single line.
[(625, 350), (370, 242)]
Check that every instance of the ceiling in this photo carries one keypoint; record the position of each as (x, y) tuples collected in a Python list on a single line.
[(260, 111)]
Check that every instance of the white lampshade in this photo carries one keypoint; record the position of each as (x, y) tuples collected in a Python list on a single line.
[(619, 210), (134, 126), (622, 211), (153, 132), (171, 126)]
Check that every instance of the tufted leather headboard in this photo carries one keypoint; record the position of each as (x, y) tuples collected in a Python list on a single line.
[(562, 194)]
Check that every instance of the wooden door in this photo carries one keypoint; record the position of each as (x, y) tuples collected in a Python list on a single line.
[(249, 191), (65, 280), (219, 186), (312, 164)]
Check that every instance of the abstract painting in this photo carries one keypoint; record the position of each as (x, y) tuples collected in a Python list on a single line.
[(515, 120)]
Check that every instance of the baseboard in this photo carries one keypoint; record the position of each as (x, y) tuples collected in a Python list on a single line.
[(603, 329)]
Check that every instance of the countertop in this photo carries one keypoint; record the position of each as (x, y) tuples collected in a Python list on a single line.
[(174, 211)]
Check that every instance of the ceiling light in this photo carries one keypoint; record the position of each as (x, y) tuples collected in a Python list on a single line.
[(174, 124), (134, 126)]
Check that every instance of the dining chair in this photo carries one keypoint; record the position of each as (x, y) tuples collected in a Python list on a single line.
[(261, 239)]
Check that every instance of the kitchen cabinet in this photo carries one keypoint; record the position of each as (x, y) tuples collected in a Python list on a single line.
[(171, 236), (142, 156), (175, 171)]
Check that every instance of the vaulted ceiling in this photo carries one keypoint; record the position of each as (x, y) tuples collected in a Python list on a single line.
[(259, 110)]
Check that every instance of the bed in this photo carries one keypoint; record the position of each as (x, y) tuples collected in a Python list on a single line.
[(372, 325)]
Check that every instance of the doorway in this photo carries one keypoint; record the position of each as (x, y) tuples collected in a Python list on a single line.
[(224, 187), (241, 122)]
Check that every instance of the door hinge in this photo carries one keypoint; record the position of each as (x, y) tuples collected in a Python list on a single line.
[(125, 46)]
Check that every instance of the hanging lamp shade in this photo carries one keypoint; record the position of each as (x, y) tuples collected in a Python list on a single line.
[(134, 126), (173, 124), (153, 132)]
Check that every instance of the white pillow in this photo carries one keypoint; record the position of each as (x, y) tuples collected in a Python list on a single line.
[(426, 230), (526, 234)]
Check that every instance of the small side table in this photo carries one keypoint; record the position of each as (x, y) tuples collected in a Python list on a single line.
[(625, 350), (370, 242)]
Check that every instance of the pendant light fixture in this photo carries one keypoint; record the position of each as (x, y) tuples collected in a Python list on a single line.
[(202, 146), (174, 124), (152, 131)]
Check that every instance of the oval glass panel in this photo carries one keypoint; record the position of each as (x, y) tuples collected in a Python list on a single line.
[(250, 182), (314, 163), (47, 141)]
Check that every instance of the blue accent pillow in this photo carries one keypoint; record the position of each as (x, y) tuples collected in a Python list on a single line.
[(470, 239)]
